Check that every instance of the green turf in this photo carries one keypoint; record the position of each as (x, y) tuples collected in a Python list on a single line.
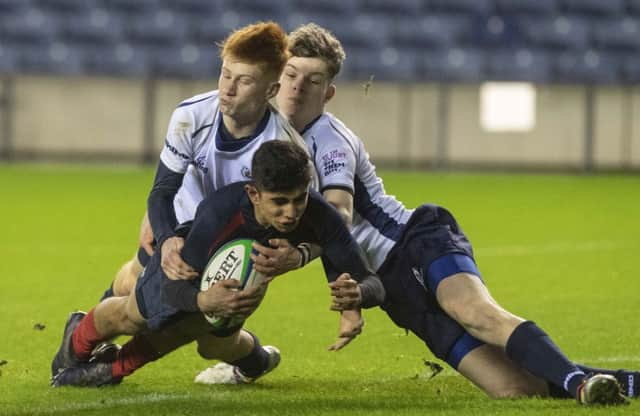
[(557, 249)]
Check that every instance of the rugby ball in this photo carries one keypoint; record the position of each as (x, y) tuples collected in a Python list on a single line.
[(231, 261)]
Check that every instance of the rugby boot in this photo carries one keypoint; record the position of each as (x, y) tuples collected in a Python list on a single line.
[(66, 357), (223, 373), (86, 375), (600, 389)]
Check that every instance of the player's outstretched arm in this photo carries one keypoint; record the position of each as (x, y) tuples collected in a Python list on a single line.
[(172, 263), (351, 324)]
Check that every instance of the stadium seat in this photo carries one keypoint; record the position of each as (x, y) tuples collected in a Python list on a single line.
[(119, 60), (631, 69), (7, 6), (384, 64), (56, 58), (8, 60), (562, 32), (160, 27), (328, 7), (431, 31), (461, 65), (365, 30), (96, 27), (189, 62), (131, 7), (29, 26), (528, 7), (634, 6), (496, 31), (477, 7), (596, 8), (196, 8), (519, 65), (207, 30), (617, 34), (64, 6), (392, 8), (266, 9), (587, 67)]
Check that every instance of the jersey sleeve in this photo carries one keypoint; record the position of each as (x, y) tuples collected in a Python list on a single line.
[(340, 252), (178, 150), (335, 162)]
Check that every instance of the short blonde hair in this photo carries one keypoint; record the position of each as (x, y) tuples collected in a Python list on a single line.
[(263, 43), (313, 41)]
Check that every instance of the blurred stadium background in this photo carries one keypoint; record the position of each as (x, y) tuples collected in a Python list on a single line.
[(522, 84)]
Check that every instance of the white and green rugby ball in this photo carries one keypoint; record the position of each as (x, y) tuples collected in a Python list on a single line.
[(231, 261)]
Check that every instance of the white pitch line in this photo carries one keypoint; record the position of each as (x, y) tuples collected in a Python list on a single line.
[(559, 247), (108, 403)]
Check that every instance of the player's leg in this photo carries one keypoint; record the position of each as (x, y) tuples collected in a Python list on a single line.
[(126, 278), (488, 367), (125, 281), (451, 273), (243, 358), (463, 296)]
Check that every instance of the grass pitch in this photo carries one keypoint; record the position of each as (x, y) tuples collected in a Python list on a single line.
[(560, 250)]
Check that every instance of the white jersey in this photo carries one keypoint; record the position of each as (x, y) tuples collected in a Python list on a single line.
[(194, 147), (342, 162)]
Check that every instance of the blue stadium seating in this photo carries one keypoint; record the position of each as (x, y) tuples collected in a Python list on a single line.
[(528, 7), (160, 27), (396, 7), (520, 65), (561, 32), (325, 7), (595, 7), (188, 61), (29, 26), (447, 40), (96, 27), (587, 67), (8, 60), (56, 58), (119, 60), (618, 34), (631, 69), (453, 65), (432, 31), (478, 7)]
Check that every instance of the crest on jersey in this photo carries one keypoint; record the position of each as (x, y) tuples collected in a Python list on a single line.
[(333, 162), (201, 163), (246, 172)]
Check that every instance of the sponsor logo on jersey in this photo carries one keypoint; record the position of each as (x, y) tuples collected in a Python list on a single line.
[(175, 151), (333, 162), (246, 172), (201, 163)]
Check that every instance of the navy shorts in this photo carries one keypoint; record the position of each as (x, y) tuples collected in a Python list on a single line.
[(431, 248), (157, 313), (143, 257)]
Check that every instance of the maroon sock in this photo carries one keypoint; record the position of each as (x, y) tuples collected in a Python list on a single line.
[(133, 355), (85, 337)]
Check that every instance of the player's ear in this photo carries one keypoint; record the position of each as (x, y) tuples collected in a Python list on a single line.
[(273, 89), (331, 91), (252, 193)]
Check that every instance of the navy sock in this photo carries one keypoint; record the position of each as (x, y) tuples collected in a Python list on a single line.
[(629, 380), (256, 362), (107, 293), (532, 349)]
